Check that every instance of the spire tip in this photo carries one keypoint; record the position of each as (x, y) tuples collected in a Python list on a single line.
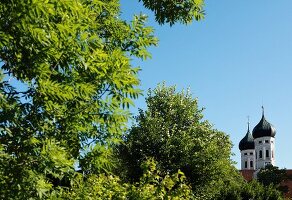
[(247, 123)]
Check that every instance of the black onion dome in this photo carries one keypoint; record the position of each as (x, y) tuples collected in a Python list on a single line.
[(247, 142), (263, 128)]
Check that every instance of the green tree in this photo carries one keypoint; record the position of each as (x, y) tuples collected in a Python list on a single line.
[(242, 190), (71, 63), (272, 175), (173, 132), (256, 190), (152, 185), (169, 11)]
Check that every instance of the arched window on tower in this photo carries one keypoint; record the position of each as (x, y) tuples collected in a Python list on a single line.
[(245, 164), (267, 154), (251, 164), (261, 154)]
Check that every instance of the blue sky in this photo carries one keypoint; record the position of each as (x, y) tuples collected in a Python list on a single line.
[(235, 60)]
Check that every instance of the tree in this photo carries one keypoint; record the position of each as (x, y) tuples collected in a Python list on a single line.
[(256, 190), (152, 185), (173, 132), (169, 11), (71, 63), (272, 175)]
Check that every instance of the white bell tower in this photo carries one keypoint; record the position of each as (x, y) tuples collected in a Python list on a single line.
[(247, 150), (264, 140)]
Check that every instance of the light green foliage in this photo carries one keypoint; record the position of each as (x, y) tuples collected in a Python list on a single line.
[(72, 60), (73, 57), (71, 63), (151, 186), (32, 173), (173, 132)]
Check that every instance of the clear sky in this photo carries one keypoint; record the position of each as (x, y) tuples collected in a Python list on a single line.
[(238, 58)]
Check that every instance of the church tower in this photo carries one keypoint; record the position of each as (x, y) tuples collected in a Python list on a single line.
[(247, 150), (258, 149), (264, 140)]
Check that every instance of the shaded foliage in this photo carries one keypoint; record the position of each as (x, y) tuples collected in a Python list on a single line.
[(170, 11), (272, 175), (255, 190)]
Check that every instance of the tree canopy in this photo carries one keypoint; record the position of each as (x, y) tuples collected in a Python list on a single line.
[(66, 83), (173, 132), (272, 175), (169, 11)]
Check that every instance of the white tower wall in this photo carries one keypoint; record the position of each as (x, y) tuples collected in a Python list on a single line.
[(265, 151), (248, 159)]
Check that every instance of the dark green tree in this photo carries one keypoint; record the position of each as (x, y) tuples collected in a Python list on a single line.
[(256, 190), (173, 132), (242, 190), (170, 11), (66, 82), (272, 175)]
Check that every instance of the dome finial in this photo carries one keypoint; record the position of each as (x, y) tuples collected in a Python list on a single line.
[(263, 111), (247, 142), (263, 128), (248, 123)]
